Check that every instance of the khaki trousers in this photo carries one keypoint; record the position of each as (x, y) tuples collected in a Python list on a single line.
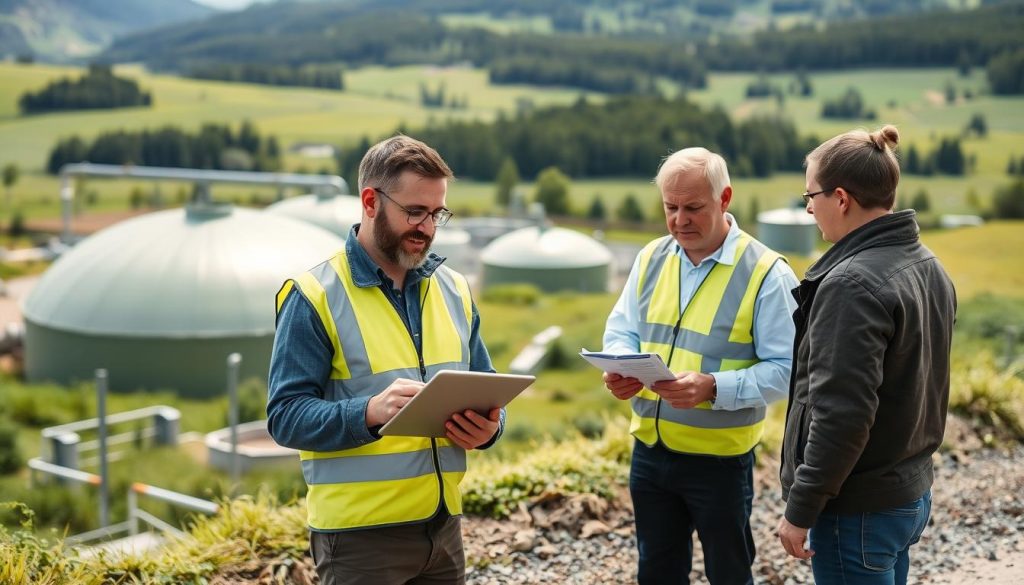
[(411, 554)]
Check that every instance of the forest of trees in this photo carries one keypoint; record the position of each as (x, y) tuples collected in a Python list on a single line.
[(1006, 73), (214, 146), (946, 159), (329, 33), (626, 136), (849, 106), (324, 77), (98, 88)]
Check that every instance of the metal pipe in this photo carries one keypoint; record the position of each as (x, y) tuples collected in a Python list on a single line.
[(329, 182), (189, 502), (37, 464), (234, 360), (101, 414)]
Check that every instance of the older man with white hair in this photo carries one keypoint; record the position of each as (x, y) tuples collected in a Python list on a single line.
[(715, 304)]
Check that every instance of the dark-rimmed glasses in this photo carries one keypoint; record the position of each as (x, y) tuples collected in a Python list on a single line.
[(418, 216), (808, 196)]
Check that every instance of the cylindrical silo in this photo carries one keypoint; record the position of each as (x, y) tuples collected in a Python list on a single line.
[(788, 230)]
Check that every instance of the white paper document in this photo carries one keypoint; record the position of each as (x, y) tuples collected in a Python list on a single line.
[(646, 367)]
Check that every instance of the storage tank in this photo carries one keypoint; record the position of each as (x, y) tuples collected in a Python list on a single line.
[(161, 300), (788, 230), (553, 259)]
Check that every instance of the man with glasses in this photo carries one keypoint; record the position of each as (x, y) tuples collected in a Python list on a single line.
[(870, 384), (357, 337), (715, 304)]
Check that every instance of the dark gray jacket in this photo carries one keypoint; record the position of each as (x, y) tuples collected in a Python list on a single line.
[(870, 382)]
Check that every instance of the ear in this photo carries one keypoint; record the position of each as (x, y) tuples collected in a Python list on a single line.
[(846, 200), (726, 197), (368, 198)]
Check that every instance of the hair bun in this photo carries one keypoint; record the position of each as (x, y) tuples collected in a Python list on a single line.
[(887, 136)]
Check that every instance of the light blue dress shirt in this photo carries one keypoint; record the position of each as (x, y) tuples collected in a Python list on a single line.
[(758, 385)]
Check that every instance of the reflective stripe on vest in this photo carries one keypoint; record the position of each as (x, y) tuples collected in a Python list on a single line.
[(393, 480), (715, 334)]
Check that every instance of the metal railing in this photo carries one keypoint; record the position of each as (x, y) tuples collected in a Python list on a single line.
[(135, 513)]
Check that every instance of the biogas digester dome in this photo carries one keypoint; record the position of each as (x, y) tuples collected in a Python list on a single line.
[(160, 301), (552, 259), (338, 213), (335, 213)]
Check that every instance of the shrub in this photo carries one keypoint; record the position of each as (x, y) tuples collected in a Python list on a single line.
[(10, 458), (991, 396), (575, 466), (1009, 201), (589, 424), (513, 294)]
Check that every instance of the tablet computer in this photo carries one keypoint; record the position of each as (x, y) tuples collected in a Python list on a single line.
[(451, 391)]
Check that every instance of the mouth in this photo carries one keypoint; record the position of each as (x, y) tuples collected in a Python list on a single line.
[(417, 240)]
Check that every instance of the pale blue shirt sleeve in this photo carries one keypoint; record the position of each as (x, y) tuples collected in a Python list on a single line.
[(621, 332), (768, 380)]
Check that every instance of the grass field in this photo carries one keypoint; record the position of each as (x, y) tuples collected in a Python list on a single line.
[(377, 100)]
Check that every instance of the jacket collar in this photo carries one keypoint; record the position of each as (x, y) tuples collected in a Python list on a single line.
[(366, 272), (893, 228)]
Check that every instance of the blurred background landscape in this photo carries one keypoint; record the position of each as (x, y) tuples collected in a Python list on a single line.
[(571, 104)]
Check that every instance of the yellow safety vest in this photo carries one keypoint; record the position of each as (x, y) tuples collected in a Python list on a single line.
[(713, 333), (393, 480)]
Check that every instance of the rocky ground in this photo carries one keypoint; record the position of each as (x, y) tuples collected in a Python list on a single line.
[(975, 535), (976, 532)]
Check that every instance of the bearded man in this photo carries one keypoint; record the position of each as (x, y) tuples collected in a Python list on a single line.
[(357, 337)]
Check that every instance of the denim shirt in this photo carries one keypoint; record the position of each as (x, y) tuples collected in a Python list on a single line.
[(300, 365)]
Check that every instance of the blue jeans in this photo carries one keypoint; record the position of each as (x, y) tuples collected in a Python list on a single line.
[(872, 548), (675, 494)]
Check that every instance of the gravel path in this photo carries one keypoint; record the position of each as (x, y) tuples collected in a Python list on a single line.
[(976, 533)]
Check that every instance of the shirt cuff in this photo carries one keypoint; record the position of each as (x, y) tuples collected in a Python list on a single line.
[(727, 383), (355, 421)]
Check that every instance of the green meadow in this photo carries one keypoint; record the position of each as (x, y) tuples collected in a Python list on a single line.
[(377, 100)]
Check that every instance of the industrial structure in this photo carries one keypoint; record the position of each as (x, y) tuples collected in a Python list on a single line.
[(550, 258), (788, 230)]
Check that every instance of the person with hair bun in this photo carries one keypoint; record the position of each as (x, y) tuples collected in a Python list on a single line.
[(870, 380)]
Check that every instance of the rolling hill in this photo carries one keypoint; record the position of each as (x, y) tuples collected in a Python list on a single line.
[(68, 30)]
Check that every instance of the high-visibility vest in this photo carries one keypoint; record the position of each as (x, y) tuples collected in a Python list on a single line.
[(713, 333), (393, 480)]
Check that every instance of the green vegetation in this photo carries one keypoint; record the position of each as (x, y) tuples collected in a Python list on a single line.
[(213, 147), (577, 465), (99, 88), (308, 76)]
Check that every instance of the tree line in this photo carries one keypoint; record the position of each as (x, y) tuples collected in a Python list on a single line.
[(213, 146), (98, 88), (625, 136), (323, 77), (614, 64)]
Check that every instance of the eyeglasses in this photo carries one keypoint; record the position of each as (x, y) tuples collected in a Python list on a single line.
[(418, 216), (808, 196)]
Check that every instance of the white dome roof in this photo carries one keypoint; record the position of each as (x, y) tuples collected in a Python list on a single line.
[(538, 247), (335, 213), (207, 272)]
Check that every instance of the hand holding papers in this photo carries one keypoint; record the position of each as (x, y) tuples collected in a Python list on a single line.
[(646, 367)]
